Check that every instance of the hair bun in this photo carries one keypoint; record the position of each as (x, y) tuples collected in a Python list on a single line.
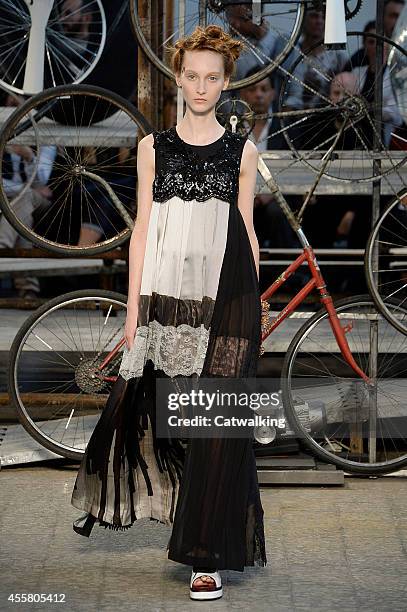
[(214, 31), (211, 37)]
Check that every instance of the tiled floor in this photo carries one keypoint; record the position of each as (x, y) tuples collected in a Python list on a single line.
[(329, 549)]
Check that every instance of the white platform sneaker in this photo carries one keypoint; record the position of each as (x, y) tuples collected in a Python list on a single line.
[(210, 590)]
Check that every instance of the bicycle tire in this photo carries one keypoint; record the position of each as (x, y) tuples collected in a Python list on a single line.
[(371, 281), (23, 29), (245, 82), (14, 355), (8, 130), (347, 178), (305, 438)]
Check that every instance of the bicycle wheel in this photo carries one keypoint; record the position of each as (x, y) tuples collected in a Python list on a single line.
[(330, 409), (387, 278), (91, 172), (339, 112), (280, 30), (54, 379), (46, 43)]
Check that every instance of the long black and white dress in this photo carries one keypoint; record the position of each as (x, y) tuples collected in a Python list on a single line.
[(199, 315)]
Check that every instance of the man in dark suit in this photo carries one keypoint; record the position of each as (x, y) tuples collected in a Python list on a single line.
[(392, 10), (272, 227)]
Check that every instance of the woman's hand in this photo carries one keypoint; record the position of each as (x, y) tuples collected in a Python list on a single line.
[(130, 326)]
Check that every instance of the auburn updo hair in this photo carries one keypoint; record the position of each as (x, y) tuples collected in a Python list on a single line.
[(211, 37)]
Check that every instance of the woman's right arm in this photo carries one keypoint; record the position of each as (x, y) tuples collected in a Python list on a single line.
[(145, 177)]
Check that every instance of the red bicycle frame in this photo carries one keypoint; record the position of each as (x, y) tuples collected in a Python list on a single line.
[(316, 282)]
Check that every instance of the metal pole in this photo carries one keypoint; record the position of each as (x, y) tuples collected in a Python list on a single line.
[(144, 66), (376, 192)]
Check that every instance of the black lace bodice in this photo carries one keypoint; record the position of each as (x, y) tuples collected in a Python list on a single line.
[(182, 171)]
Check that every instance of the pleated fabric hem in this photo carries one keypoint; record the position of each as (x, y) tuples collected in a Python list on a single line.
[(127, 472)]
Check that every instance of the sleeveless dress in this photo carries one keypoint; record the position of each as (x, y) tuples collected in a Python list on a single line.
[(199, 314)]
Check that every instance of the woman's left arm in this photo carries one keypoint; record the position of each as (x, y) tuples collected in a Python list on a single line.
[(247, 187)]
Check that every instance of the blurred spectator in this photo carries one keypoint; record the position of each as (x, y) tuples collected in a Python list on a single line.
[(354, 225), (312, 72), (262, 99), (366, 76), (100, 219), (260, 39), (271, 225), (319, 130), (392, 10), (343, 221), (324, 213), (361, 81), (76, 19), (19, 163)]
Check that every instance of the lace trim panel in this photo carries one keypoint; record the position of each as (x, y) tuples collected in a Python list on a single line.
[(177, 350), (182, 172)]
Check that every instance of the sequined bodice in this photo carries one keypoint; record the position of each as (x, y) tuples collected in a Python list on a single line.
[(182, 171)]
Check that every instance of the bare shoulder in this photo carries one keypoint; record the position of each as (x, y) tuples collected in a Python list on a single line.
[(250, 148), (146, 153), (250, 155), (146, 143)]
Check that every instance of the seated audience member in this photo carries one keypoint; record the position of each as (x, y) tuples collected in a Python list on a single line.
[(320, 129), (366, 76), (261, 39), (272, 227), (392, 11), (312, 85), (100, 217), (262, 98), (19, 163), (351, 230)]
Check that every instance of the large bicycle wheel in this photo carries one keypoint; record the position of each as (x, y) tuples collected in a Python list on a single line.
[(54, 379), (45, 43), (387, 277), (339, 114), (331, 409), (88, 163), (281, 27)]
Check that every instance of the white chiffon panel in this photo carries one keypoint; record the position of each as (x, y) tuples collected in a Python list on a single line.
[(185, 247)]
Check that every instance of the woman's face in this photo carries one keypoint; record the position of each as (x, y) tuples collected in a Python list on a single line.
[(202, 79)]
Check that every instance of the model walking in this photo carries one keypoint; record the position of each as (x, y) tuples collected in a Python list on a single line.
[(193, 310)]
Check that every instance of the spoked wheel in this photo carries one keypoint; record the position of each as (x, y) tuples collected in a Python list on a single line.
[(338, 112), (276, 24), (387, 278), (90, 165), (45, 43), (361, 429), (55, 378)]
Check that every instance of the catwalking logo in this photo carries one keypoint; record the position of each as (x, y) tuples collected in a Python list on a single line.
[(222, 421)]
